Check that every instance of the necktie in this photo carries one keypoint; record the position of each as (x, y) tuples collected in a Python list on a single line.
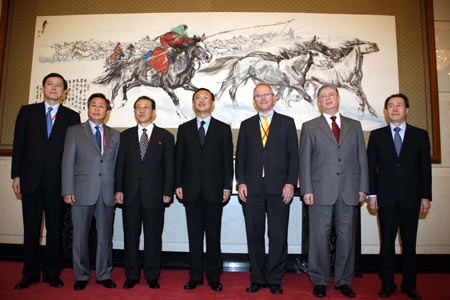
[(335, 128), (264, 134), (48, 119), (264, 130), (201, 133), (397, 140), (143, 143), (98, 137)]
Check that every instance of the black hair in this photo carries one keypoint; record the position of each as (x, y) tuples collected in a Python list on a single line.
[(55, 75), (399, 95), (145, 98), (203, 89), (99, 95)]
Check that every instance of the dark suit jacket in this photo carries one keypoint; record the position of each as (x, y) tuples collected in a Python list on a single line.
[(407, 177), (279, 157), (208, 168), (34, 154), (152, 177)]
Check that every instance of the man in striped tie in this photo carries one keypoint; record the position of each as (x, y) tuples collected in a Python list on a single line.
[(144, 185), (266, 174)]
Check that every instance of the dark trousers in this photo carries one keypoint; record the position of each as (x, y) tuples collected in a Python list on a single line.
[(33, 205), (134, 216), (391, 218), (202, 218), (255, 210)]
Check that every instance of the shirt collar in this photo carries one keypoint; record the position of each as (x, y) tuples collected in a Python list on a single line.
[(55, 107), (402, 126), (93, 125), (207, 120), (149, 127), (269, 114)]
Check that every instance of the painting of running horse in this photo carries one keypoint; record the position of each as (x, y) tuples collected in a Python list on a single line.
[(167, 56)]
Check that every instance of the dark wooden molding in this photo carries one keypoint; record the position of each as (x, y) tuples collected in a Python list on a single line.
[(3, 24), (434, 92)]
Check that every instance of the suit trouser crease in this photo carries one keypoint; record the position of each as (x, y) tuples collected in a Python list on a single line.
[(391, 219), (33, 205), (135, 216), (255, 210), (320, 220), (204, 219), (81, 219)]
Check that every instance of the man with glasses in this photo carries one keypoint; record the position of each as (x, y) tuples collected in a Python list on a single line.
[(144, 185), (266, 174), (203, 180), (36, 172), (400, 189), (334, 179)]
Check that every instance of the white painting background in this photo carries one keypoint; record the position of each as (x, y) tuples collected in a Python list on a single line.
[(380, 69)]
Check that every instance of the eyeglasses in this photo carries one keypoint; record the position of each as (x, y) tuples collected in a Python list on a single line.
[(396, 105), (329, 95), (258, 96)]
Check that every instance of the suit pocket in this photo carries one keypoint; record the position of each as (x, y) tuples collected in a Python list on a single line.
[(316, 177)]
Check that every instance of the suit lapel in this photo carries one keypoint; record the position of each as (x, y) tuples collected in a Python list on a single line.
[(107, 133), (211, 128), (155, 137), (344, 130), (255, 127), (58, 121), (43, 121), (90, 136), (405, 141), (390, 141), (323, 125)]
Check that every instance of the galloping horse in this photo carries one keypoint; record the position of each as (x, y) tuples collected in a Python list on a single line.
[(131, 73), (347, 71), (280, 72)]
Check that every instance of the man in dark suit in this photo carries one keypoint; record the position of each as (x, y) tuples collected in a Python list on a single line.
[(400, 189), (144, 183), (90, 152), (36, 172), (266, 174), (334, 179), (203, 180)]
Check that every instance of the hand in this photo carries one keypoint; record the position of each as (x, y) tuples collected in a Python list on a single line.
[(166, 199), (362, 197), (69, 199), (308, 199), (118, 197), (425, 206), (373, 203), (242, 192), (16, 185), (288, 193), (226, 196), (179, 193)]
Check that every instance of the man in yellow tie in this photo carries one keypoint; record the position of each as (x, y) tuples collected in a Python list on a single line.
[(266, 173)]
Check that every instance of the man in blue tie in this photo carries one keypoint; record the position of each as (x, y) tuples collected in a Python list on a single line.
[(90, 152), (400, 189), (36, 172)]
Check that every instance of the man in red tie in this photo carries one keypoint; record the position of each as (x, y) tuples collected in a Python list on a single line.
[(334, 179)]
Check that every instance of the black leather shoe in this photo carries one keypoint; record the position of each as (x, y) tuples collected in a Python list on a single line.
[(130, 283), (54, 282), (215, 285), (412, 293), (80, 285), (276, 289), (153, 283), (346, 290), (107, 283), (320, 291), (254, 287), (25, 282), (192, 284), (386, 292)]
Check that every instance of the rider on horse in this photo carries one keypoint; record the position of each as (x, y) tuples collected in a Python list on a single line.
[(158, 58)]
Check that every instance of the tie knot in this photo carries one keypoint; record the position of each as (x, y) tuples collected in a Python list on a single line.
[(50, 109), (333, 118), (97, 128), (265, 117), (202, 123), (397, 129), (144, 130)]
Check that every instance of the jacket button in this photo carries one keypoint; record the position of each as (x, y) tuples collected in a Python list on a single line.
[(337, 173), (101, 161), (100, 174), (339, 159), (398, 165)]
